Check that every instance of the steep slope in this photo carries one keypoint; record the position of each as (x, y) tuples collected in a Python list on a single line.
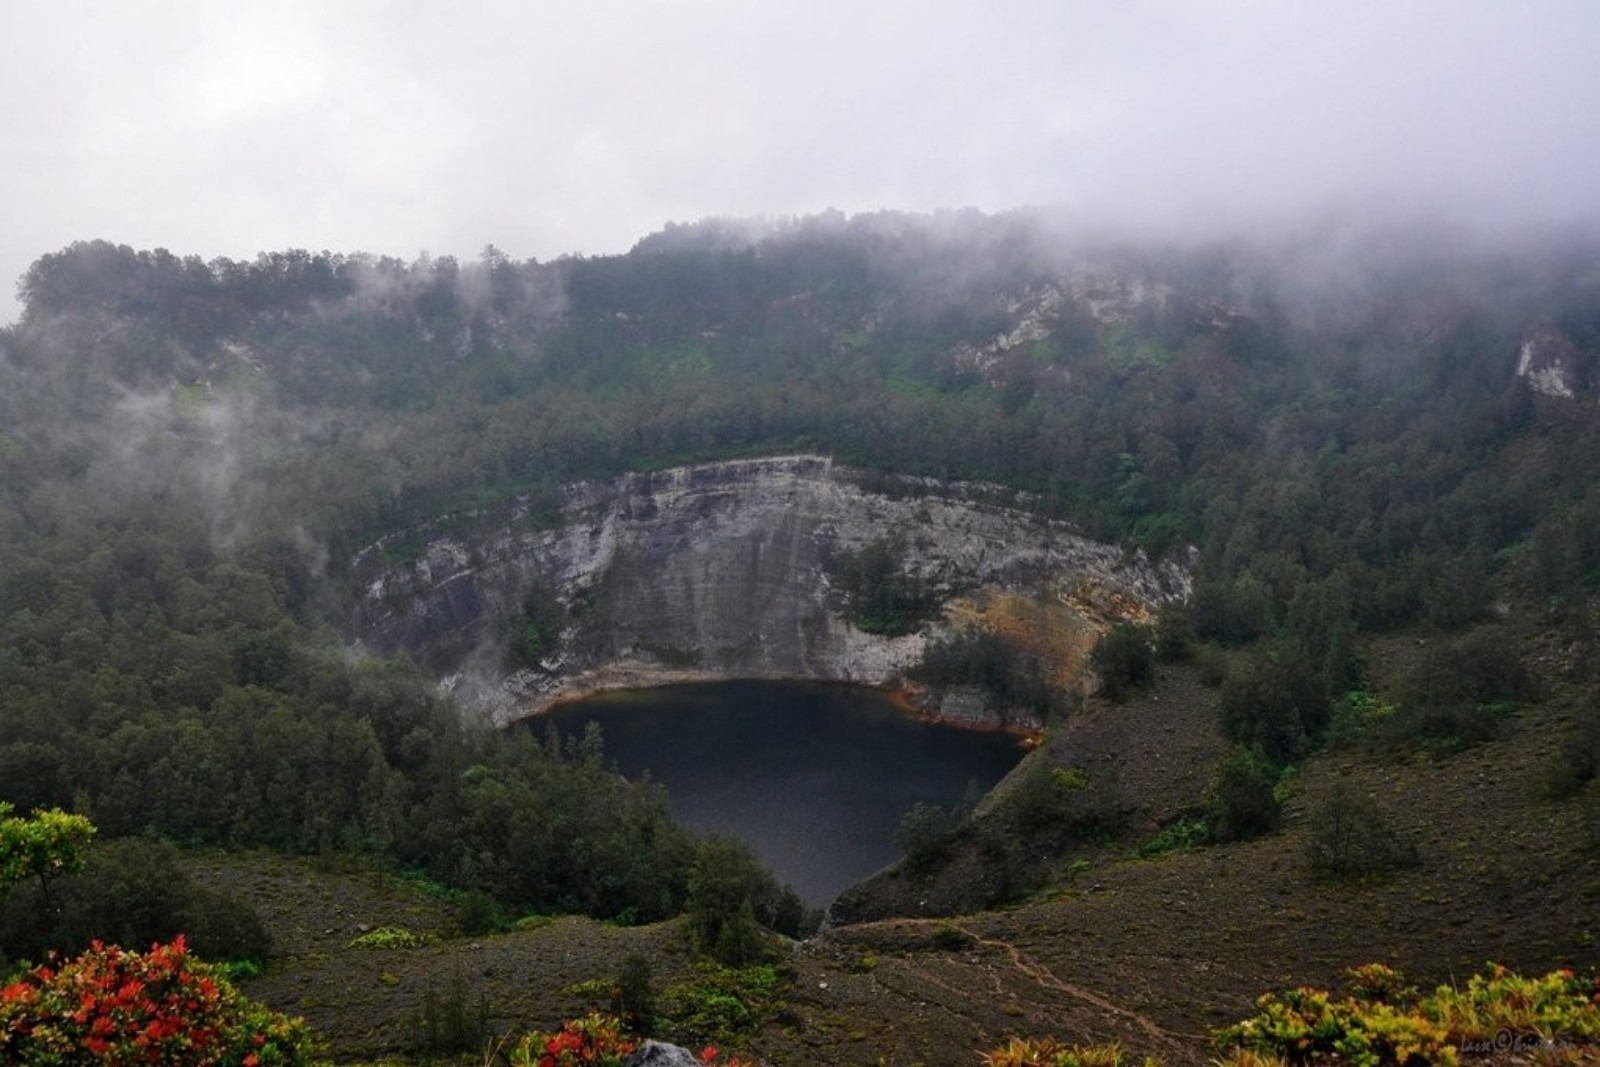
[(732, 570)]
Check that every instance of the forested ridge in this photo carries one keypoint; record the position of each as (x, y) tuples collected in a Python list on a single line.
[(191, 454)]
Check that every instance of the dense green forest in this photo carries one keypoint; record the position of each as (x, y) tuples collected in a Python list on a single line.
[(1331, 429)]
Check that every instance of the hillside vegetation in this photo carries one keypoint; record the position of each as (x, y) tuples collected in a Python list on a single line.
[(1378, 451)]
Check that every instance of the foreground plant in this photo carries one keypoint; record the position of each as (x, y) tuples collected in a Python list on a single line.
[(1048, 1052), (162, 1007), (595, 1040), (1382, 1021)]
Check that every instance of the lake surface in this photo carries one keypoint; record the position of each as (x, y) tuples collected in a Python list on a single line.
[(814, 777)]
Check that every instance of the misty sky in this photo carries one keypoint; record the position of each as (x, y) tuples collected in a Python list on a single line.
[(555, 126)]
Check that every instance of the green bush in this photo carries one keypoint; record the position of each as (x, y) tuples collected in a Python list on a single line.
[(991, 663), (883, 598), (1174, 632), (1578, 761), (1350, 837), (1382, 1021), (719, 1005), (1123, 660), (950, 938), (1274, 700), (130, 891), (923, 835), (726, 886), (1243, 799), (389, 937), (635, 1001), (450, 1024), (1459, 694), (1184, 833)]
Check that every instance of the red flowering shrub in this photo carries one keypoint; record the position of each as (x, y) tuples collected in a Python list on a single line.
[(596, 1040), (125, 1008)]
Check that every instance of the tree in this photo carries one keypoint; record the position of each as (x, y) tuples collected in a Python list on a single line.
[(1123, 660), (1275, 700), (883, 598), (924, 831), (1350, 837), (635, 1001), (725, 890), (1243, 801), (46, 846)]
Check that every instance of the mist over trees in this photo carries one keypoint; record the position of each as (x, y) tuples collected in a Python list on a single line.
[(192, 453)]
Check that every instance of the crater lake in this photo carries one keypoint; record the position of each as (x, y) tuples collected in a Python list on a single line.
[(814, 777)]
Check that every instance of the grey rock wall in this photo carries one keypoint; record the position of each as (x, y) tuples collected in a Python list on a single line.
[(723, 571)]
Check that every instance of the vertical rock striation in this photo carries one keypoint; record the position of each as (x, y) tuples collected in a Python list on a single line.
[(727, 570)]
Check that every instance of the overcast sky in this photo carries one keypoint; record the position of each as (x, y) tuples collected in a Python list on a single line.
[(554, 126)]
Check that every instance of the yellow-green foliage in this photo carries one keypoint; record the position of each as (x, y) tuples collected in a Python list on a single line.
[(593, 989), (1556, 1005), (390, 937), (46, 846), (720, 1004), (1048, 1052), (1381, 1021)]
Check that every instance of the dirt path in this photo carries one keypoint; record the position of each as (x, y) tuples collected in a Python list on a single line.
[(1046, 979)]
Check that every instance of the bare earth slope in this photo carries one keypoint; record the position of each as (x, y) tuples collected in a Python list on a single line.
[(1152, 953)]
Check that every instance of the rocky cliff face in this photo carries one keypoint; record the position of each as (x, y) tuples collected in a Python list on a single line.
[(1552, 365), (728, 570)]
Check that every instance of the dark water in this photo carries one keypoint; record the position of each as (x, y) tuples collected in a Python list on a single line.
[(814, 777)]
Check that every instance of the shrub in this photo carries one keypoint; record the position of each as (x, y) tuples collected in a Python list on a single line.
[(1383, 1021), (1496, 1000), (45, 846), (163, 1006), (1183, 833), (1357, 716), (732, 897), (450, 1024), (883, 598), (923, 833), (720, 1004), (991, 663), (1578, 761), (950, 937), (389, 937), (1458, 695), (1048, 1052), (479, 913), (636, 996), (1174, 632), (593, 1041), (130, 891), (1243, 801), (1275, 700), (1351, 838), (1123, 660), (1045, 796)]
